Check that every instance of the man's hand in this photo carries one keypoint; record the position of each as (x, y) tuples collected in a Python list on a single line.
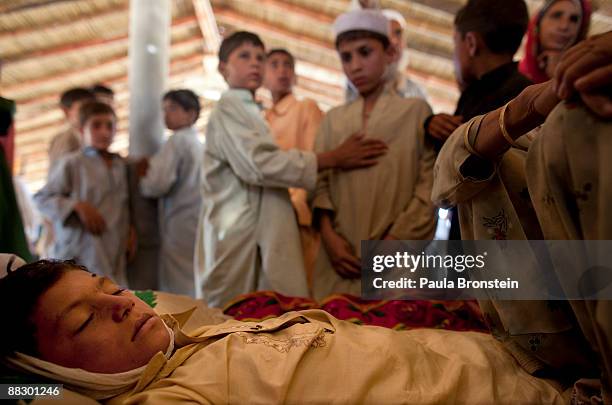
[(587, 69), (441, 126), (341, 255), (358, 151), (90, 217)]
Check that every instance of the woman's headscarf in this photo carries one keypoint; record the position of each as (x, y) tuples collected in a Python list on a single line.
[(529, 66)]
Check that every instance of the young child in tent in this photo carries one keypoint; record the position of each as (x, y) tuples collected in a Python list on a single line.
[(294, 123), (173, 176), (390, 200), (87, 198)]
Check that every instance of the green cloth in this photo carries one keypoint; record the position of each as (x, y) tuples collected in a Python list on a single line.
[(147, 296), (12, 236)]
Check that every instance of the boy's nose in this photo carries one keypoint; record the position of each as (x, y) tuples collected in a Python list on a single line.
[(354, 65), (120, 307)]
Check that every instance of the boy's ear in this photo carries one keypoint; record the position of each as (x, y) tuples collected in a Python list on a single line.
[(390, 53), (192, 115), (222, 68), (472, 42)]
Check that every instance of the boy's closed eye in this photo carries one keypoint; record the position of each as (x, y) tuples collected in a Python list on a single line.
[(90, 318)]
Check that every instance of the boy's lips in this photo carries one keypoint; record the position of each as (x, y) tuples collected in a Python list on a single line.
[(359, 81), (140, 323)]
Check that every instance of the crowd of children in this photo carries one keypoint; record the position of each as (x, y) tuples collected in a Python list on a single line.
[(281, 199)]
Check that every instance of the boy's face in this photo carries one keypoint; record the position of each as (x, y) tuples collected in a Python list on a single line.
[(86, 321), (280, 74), (72, 112), (462, 58), (364, 62), (244, 68), (99, 131), (176, 117)]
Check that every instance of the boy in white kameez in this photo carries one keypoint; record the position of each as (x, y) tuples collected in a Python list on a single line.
[(173, 175), (390, 200), (87, 198), (248, 237)]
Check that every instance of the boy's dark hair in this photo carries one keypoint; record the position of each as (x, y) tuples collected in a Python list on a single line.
[(361, 34), (282, 51), (229, 44), (187, 99), (73, 95), (502, 23), (102, 89), (20, 291), (94, 108)]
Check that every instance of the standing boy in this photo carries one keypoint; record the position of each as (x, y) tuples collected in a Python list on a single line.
[(294, 124), (86, 197), (69, 139), (248, 237), (173, 176), (390, 200), (487, 34)]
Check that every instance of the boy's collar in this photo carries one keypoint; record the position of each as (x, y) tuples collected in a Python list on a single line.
[(91, 151), (284, 104), (245, 96)]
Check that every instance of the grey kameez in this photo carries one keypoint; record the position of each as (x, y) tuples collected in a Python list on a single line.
[(84, 176)]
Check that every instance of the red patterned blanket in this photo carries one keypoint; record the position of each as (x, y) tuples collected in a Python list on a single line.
[(400, 315)]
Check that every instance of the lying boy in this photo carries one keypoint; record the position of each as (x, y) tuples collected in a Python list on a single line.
[(173, 176), (86, 196), (248, 235), (97, 338), (294, 124), (387, 201)]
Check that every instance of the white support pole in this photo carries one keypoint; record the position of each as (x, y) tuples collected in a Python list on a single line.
[(149, 60)]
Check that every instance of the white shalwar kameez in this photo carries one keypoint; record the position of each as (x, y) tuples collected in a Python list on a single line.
[(173, 176), (248, 236)]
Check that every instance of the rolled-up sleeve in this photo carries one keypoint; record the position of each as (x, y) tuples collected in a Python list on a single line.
[(458, 174)]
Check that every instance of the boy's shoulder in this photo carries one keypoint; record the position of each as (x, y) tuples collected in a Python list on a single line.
[(236, 96), (343, 109), (235, 103)]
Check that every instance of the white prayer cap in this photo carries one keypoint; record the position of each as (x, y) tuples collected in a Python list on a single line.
[(393, 15), (362, 20)]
